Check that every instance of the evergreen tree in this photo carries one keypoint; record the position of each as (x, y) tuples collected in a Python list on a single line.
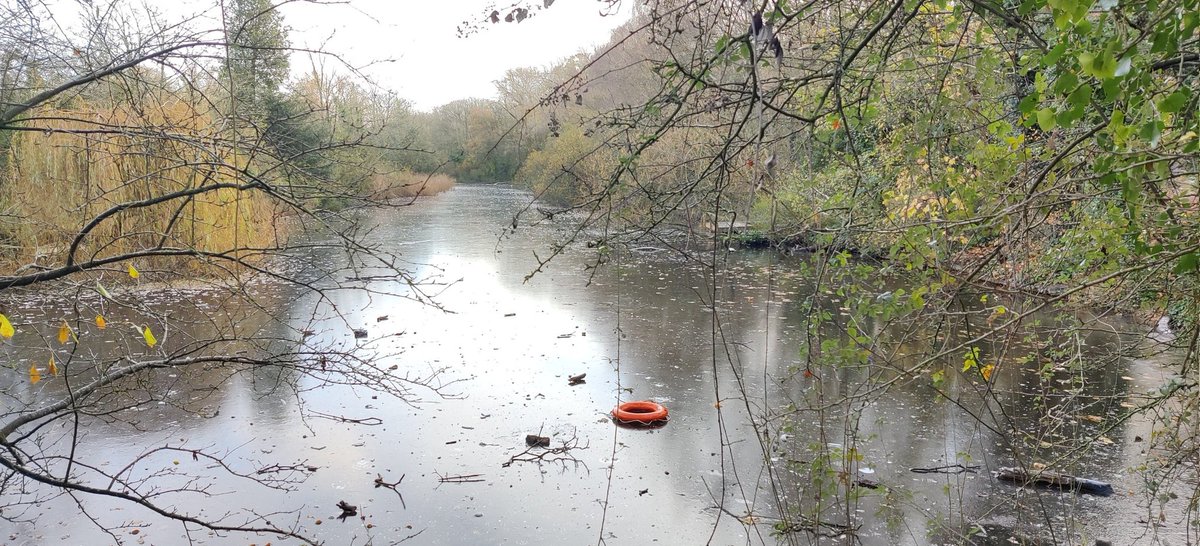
[(256, 61)]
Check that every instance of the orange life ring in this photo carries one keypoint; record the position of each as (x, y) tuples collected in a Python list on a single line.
[(642, 411)]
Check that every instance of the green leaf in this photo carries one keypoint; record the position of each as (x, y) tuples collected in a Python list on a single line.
[(722, 43), (1066, 82), (1191, 19), (1067, 118), (1030, 6), (1028, 104), (1120, 131), (1187, 262), (1062, 20), (1152, 131), (1164, 41), (1123, 66), (970, 359), (1112, 90), (1130, 192), (1086, 60), (1102, 66), (1174, 102), (1117, 120), (1045, 119), (1052, 57), (1081, 96)]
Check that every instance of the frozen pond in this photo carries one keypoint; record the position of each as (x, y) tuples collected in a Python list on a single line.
[(642, 329)]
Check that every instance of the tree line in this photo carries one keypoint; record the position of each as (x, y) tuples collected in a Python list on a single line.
[(140, 111)]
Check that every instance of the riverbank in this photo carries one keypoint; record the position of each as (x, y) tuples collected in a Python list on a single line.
[(1016, 272), (217, 221), (408, 184)]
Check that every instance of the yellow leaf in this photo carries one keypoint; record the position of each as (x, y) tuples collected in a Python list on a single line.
[(133, 272), (64, 332), (100, 322), (149, 337), (987, 372), (6, 327), (53, 367), (34, 374)]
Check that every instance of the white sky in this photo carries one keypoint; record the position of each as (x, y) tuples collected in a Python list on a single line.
[(432, 65), (429, 64)]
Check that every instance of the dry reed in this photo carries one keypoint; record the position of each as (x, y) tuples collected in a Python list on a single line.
[(407, 184), (90, 160)]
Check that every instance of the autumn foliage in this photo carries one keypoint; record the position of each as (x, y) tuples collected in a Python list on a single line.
[(91, 159)]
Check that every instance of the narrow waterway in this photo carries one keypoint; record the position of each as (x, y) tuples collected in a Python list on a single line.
[(641, 326)]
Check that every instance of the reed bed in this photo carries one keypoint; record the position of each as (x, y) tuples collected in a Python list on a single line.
[(90, 161), (408, 185)]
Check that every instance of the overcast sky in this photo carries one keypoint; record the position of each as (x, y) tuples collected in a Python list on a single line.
[(412, 47), (432, 65)]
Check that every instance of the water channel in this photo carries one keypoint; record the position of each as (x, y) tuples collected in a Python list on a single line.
[(640, 327)]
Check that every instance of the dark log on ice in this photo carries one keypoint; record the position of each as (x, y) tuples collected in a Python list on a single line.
[(537, 441), (1046, 478)]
